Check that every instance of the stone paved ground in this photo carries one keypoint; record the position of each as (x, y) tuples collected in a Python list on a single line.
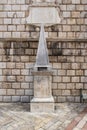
[(66, 117)]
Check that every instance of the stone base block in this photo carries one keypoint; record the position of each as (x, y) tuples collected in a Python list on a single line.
[(44, 106)]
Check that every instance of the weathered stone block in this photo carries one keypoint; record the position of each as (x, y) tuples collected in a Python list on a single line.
[(16, 98), (52, 34), (71, 86), (28, 92), (66, 92), (63, 7), (66, 14), (79, 72), (10, 65), (2, 92), (75, 65), (1, 34), (20, 78), (66, 66), (25, 85), (84, 2), (79, 85), (6, 85), (15, 85), (80, 59), (75, 79), (7, 99), (77, 98), (16, 34), (10, 91), (75, 1), (67, 2), (11, 78), (3, 2), (2, 65), (19, 92), (71, 7), (11, 27), (7, 21), (66, 79), (80, 21), (61, 72), (57, 79), (61, 99), (29, 78), (83, 66), (57, 92), (75, 92), (70, 98), (25, 99), (24, 58), (1, 7), (41, 107), (70, 72), (0, 71), (80, 7), (57, 65), (71, 21), (24, 72), (83, 79), (20, 28), (70, 58), (62, 86), (66, 28), (54, 85), (1, 98), (15, 72), (20, 65), (76, 28), (3, 15), (62, 35), (15, 7)]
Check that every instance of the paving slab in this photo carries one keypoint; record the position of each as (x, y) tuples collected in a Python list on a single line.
[(67, 116)]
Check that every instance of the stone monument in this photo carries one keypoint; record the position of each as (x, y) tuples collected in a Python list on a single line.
[(42, 14), (43, 100)]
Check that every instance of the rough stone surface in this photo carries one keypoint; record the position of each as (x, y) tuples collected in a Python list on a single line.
[(66, 43), (65, 117)]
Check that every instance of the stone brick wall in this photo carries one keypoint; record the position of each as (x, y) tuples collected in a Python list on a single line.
[(69, 62), (13, 14), (67, 44)]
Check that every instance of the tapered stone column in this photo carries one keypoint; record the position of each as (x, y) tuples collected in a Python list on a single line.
[(43, 100)]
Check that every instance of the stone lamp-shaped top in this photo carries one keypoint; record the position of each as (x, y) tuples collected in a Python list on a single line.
[(42, 60), (43, 11)]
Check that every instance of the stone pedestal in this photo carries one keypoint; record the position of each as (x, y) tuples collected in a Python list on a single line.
[(43, 100)]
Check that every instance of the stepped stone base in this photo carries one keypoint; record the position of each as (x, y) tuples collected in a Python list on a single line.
[(42, 105)]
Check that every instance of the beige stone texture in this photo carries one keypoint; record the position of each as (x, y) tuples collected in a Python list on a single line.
[(65, 92), (70, 72), (75, 79), (40, 107), (11, 92), (67, 40), (16, 85), (66, 79)]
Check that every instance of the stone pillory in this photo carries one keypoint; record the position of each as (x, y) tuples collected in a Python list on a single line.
[(43, 100)]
